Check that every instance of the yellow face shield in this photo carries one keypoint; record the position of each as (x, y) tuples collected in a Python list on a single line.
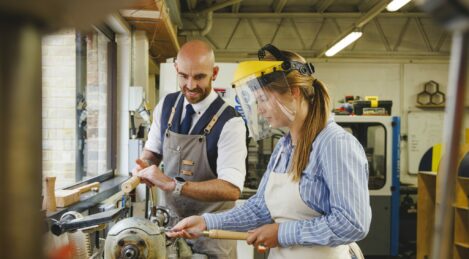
[(265, 96)]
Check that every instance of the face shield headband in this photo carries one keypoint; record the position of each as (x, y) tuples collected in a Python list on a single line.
[(287, 65)]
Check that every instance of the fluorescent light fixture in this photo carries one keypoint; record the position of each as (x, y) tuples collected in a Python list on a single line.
[(351, 37), (396, 5)]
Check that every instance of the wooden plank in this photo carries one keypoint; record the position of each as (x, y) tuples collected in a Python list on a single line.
[(64, 198)]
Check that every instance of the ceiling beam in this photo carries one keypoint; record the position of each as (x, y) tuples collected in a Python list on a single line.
[(441, 40), (191, 4), (279, 5), (233, 33), (423, 33), (322, 6), (401, 35), (239, 55), (336, 24), (365, 5), (298, 34), (323, 21), (307, 15), (259, 41), (235, 8), (362, 21), (382, 35), (276, 31)]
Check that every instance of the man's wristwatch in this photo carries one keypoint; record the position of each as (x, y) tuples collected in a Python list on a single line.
[(179, 183)]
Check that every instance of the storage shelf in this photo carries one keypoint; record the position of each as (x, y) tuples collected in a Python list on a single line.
[(428, 200), (460, 207), (461, 194), (461, 251), (430, 173), (425, 212), (465, 245), (430, 106)]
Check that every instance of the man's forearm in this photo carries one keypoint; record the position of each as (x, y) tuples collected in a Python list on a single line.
[(211, 190), (151, 158)]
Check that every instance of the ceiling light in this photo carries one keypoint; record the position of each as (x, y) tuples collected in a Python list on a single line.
[(351, 37), (396, 5)]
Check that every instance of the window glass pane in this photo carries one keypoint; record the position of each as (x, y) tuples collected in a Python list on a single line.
[(75, 106), (372, 136), (95, 150), (58, 107)]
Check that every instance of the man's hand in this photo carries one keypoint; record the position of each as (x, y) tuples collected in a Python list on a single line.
[(190, 227), (153, 176), (266, 235), (139, 165)]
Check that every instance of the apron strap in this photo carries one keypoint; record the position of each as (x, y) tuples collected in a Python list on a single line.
[(214, 119), (173, 111)]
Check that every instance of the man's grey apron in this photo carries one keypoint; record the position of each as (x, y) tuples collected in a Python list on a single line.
[(283, 199), (186, 156)]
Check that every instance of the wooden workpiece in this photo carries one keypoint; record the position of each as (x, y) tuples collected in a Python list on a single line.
[(130, 184), (65, 198)]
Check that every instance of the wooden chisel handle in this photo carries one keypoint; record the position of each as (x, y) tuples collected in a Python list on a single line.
[(130, 184), (232, 235), (224, 234)]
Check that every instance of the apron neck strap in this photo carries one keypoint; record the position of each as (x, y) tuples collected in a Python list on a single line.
[(173, 111), (214, 119)]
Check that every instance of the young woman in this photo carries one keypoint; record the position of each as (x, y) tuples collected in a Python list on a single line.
[(313, 199)]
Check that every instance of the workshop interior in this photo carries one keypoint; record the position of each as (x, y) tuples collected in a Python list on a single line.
[(80, 79)]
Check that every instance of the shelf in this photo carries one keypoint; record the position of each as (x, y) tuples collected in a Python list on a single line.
[(430, 106), (460, 207), (461, 227), (428, 200), (425, 212), (427, 173), (461, 194), (462, 244), (461, 251)]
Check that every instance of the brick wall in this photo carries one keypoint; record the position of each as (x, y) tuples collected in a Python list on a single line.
[(58, 86)]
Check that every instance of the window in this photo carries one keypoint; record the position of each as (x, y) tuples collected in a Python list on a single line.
[(372, 136), (78, 105)]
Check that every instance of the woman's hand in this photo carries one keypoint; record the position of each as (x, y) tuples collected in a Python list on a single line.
[(190, 227), (266, 235)]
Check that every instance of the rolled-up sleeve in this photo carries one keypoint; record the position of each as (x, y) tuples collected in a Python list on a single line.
[(232, 152), (154, 142)]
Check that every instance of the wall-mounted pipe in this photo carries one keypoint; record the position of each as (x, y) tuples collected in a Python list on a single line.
[(208, 12), (202, 32)]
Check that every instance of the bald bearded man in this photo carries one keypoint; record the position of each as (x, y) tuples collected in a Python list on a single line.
[(201, 141)]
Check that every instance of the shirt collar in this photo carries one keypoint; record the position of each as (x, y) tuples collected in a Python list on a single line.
[(203, 105)]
